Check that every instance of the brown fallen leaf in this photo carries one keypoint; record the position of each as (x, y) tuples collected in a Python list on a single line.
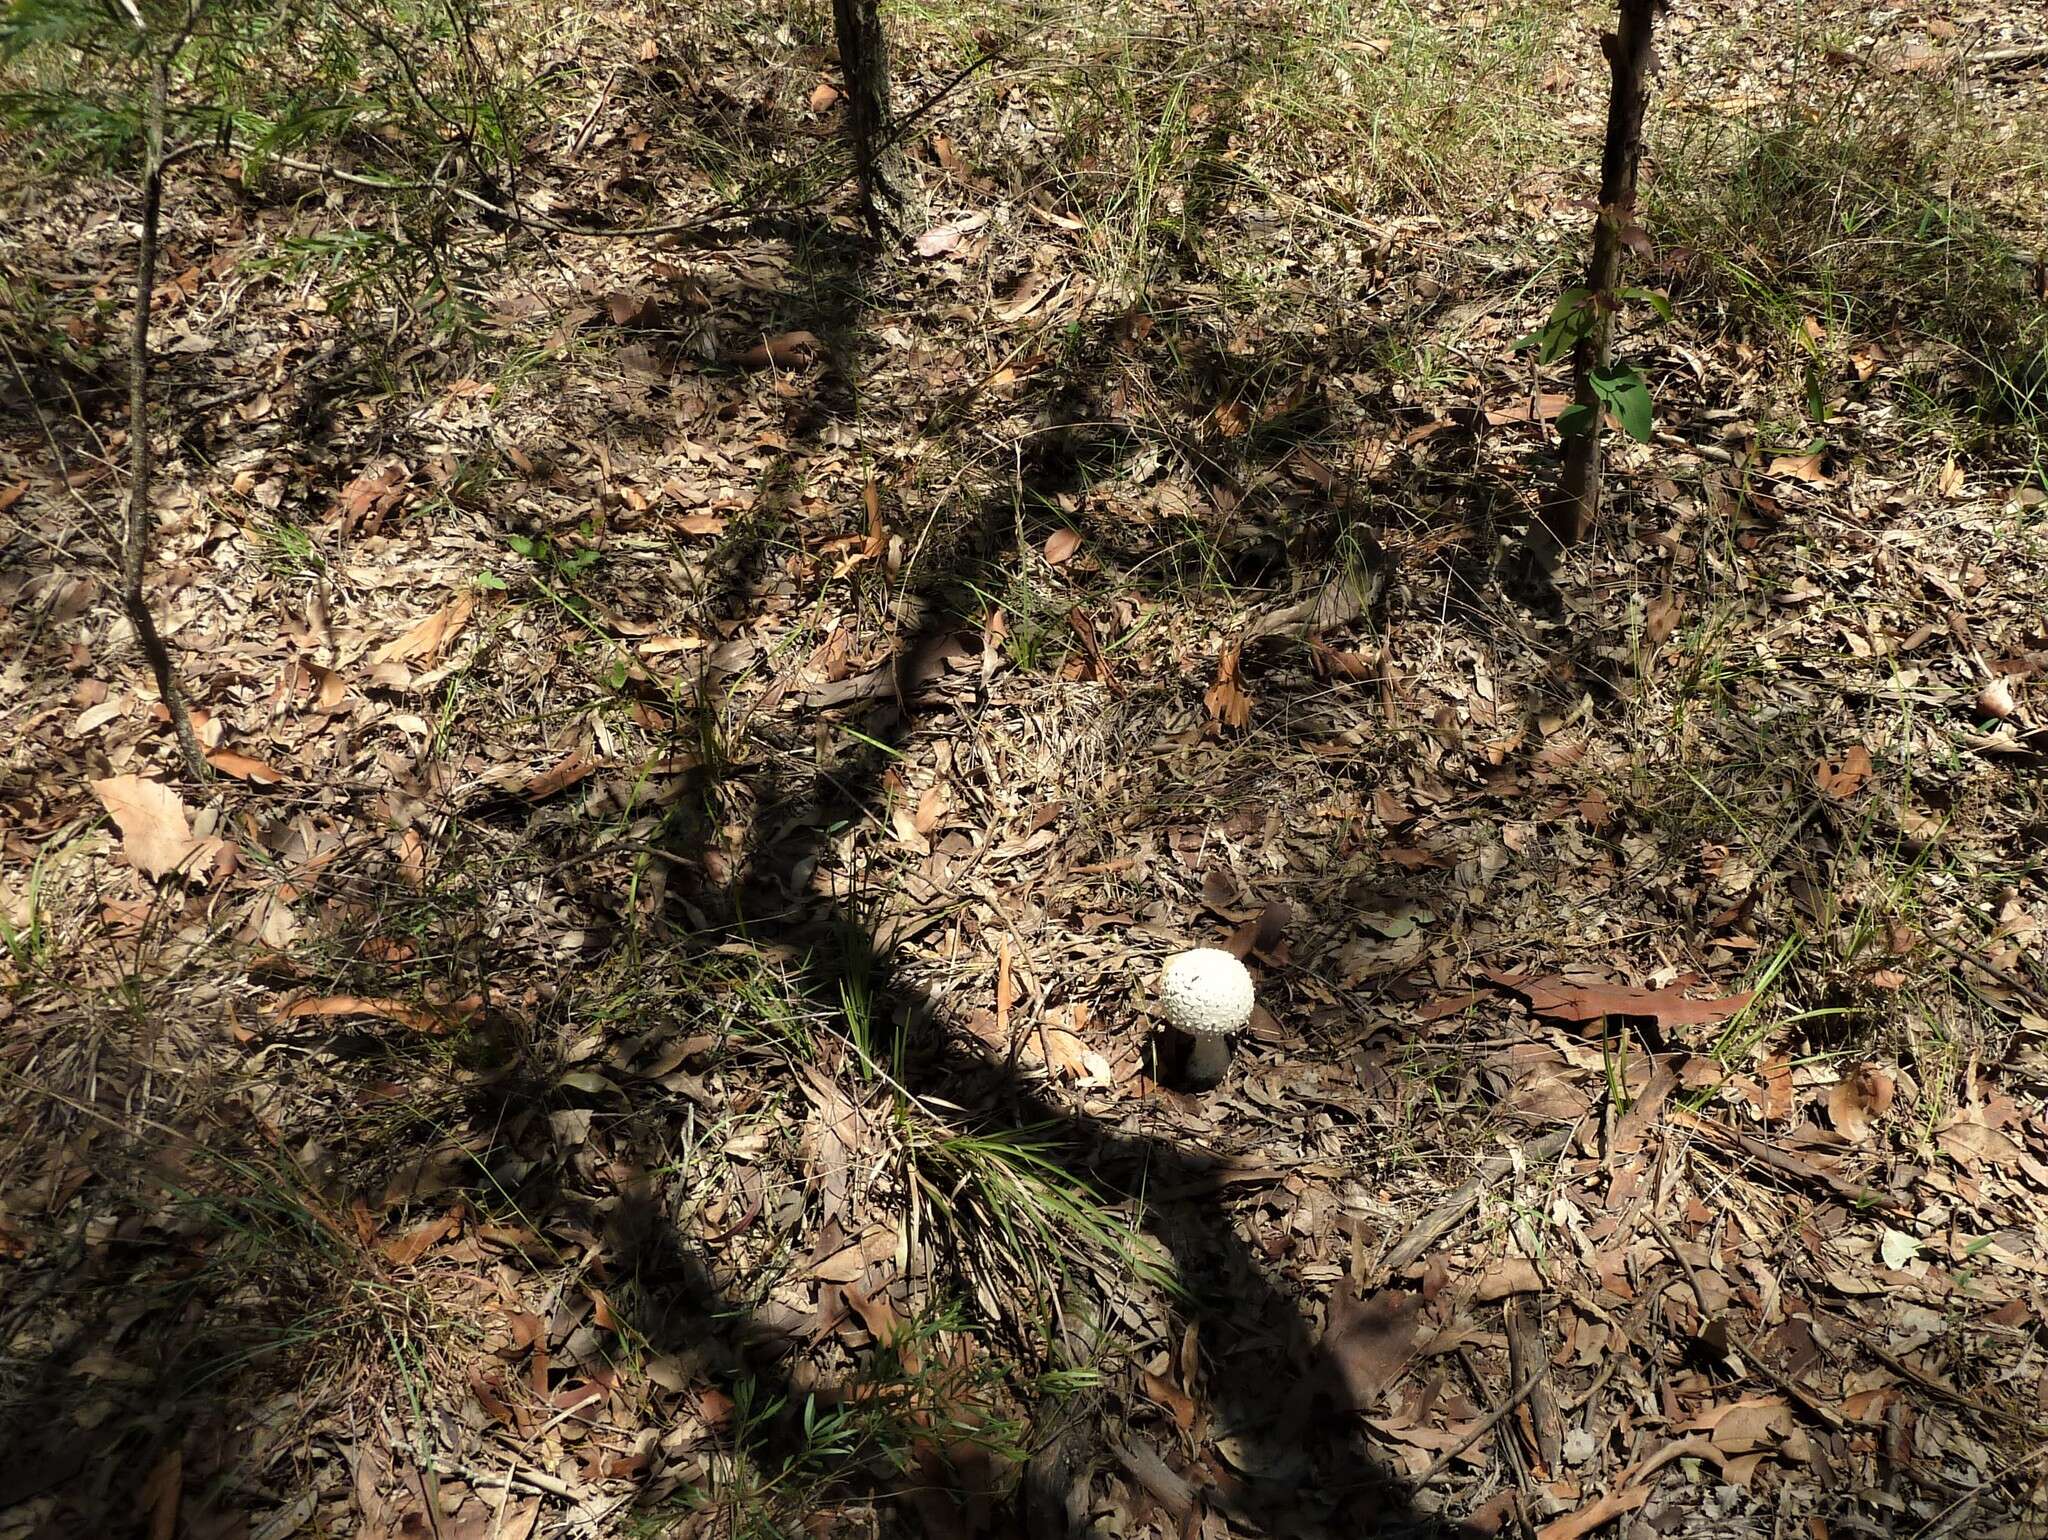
[(1846, 776), (1226, 699), (785, 350), (156, 835), (1577, 999), (401, 1011), (1176, 1401), (1661, 619), (1060, 546), (1368, 1342), (425, 640), (243, 768), (408, 1246), (1807, 468), (823, 95), (570, 769), (1859, 1096)]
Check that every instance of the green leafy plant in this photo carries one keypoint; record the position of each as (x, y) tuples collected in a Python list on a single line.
[(1620, 388)]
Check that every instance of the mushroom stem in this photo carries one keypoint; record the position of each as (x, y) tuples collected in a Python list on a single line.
[(1211, 1059)]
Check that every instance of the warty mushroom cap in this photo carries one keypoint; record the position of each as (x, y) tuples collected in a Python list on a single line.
[(1206, 992)]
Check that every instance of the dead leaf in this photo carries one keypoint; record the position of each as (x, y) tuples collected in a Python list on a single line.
[(1169, 1395), (408, 1246), (1662, 618), (1060, 546), (1806, 468), (823, 95), (1226, 699), (785, 350), (156, 835), (401, 1011), (1579, 999), (243, 768), (1971, 1143), (1996, 698), (570, 769), (1846, 776), (1368, 1342), (1862, 1094), (425, 640)]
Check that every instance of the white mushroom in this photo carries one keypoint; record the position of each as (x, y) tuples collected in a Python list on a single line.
[(1207, 994)]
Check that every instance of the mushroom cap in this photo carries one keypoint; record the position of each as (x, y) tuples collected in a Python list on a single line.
[(1206, 992)]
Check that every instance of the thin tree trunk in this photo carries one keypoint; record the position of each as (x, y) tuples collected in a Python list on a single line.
[(134, 551), (864, 60), (1629, 60)]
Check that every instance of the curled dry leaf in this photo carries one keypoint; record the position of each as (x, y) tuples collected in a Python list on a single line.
[(785, 350), (1996, 698), (425, 640), (156, 835), (1226, 699), (1861, 1095), (1060, 546), (244, 768), (401, 1011), (1581, 999), (1846, 776)]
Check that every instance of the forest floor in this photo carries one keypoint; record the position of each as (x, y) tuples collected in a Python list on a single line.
[(648, 1031)]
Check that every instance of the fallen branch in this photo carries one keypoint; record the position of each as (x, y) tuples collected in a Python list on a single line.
[(1486, 1425), (1788, 1165), (1439, 1221), (1737, 1338)]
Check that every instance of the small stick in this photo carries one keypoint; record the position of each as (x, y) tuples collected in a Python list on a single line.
[(1438, 1222), (604, 94), (1737, 1337), (1485, 1426)]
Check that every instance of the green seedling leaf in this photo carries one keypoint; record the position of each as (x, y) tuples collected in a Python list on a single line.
[(1570, 319), (531, 549), (1653, 299), (1626, 396)]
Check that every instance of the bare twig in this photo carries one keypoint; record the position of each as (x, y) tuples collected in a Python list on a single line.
[(1484, 1426), (1736, 1336), (589, 124), (1528, 1358), (1438, 1222), (134, 541)]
